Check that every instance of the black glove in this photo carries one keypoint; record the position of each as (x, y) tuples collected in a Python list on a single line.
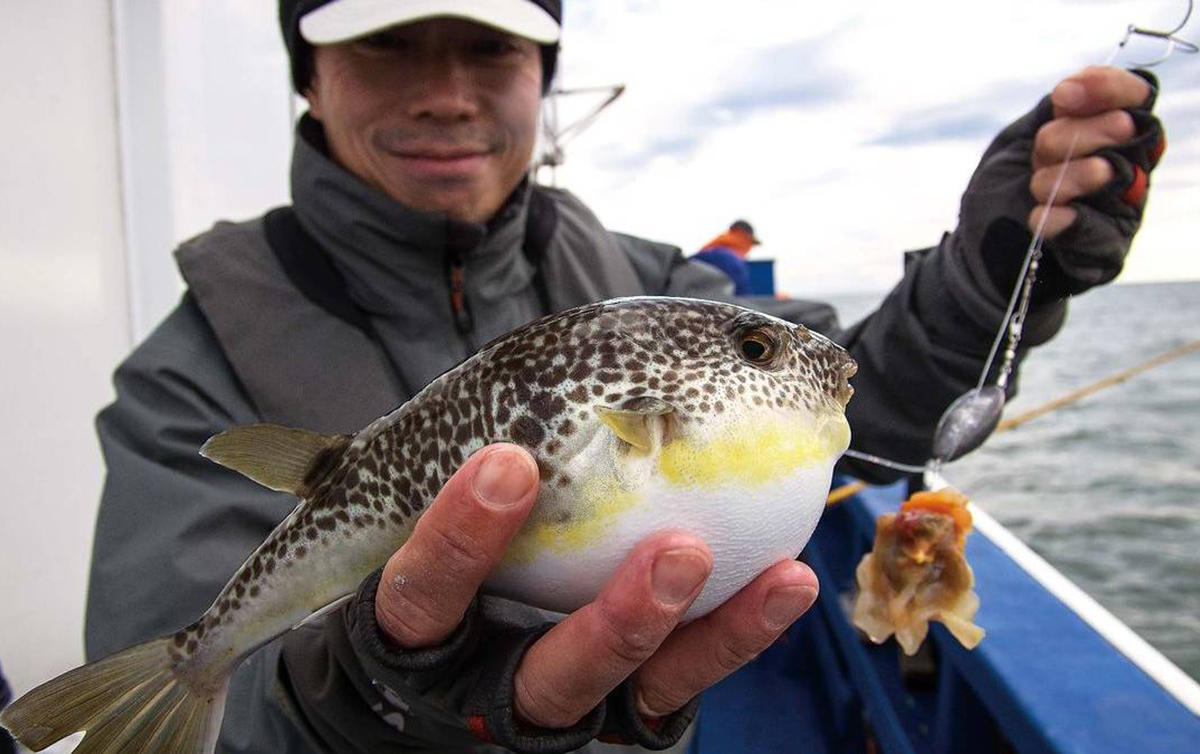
[(471, 675), (992, 235)]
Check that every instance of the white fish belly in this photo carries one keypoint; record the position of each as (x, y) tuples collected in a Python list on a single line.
[(748, 529)]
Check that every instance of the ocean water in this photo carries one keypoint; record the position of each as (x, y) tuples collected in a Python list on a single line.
[(1107, 489)]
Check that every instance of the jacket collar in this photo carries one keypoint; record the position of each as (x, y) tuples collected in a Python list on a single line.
[(389, 251)]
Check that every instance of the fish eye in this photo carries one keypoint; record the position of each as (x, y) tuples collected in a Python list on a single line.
[(757, 345)]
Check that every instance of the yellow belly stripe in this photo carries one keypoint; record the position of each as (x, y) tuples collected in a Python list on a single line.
[(752, 455), (602, 500)]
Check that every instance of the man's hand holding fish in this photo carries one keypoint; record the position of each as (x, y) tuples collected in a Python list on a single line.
[(631, 627)]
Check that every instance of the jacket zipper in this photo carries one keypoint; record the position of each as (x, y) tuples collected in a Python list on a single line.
[(459, 305)]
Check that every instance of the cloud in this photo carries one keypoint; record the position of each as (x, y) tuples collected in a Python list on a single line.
[(967, 116), (678, 146), (1181, 118), (792, 75), (940, 126), (1179, 72)]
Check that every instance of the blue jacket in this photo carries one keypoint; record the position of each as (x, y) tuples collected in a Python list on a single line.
[(731, 264)]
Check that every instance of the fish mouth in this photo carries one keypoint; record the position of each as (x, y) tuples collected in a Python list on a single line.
[(842, 367), (835, 364), (845, 391)]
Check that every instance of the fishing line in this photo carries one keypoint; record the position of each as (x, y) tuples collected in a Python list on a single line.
[(887, 463), (1023, 290)]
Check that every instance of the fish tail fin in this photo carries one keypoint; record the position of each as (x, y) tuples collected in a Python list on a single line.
[(132, 701)]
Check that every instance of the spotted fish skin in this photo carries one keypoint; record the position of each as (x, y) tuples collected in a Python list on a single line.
[(539, 385), (742, 417)]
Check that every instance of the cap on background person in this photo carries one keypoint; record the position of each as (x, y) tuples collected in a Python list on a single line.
[(318, 22), (744, 227), (739, 239)]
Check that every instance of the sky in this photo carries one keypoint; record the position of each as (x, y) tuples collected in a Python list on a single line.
[(846, 132)]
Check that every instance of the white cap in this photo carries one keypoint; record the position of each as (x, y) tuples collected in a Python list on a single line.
[(342, 20)]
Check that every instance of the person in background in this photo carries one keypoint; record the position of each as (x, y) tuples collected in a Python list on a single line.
[(728, 251), (414, 237)]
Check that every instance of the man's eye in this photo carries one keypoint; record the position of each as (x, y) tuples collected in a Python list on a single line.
[(494, 47), (382, 41)]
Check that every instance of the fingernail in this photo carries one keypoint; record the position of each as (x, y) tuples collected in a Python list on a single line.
[(1069, 95), (504, 479), (677, 574), (787, 603)]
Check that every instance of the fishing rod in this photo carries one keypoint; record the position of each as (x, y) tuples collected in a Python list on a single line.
[(556, 137), (1098, 385)]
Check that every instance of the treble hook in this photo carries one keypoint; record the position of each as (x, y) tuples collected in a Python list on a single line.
[(1172, 41)]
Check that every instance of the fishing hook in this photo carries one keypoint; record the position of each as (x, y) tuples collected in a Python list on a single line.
[(1173, 42)]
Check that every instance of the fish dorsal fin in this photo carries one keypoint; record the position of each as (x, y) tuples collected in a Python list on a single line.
[(641, 422), (279, 458)]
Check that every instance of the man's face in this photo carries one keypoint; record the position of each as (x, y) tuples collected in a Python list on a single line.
[(440, 115)]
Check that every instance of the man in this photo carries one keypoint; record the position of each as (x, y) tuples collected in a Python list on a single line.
[(728, 251), (414, 237)]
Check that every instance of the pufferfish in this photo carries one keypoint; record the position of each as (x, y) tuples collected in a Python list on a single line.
[(643, 414)]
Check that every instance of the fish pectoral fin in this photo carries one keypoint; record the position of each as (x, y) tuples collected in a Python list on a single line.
[(279, 458), (641, 422), (321, 612)]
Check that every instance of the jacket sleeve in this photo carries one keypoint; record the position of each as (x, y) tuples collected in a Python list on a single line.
[(929, 339), (919, 351)]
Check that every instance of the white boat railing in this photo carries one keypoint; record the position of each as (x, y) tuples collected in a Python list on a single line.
[(1152, 662)]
